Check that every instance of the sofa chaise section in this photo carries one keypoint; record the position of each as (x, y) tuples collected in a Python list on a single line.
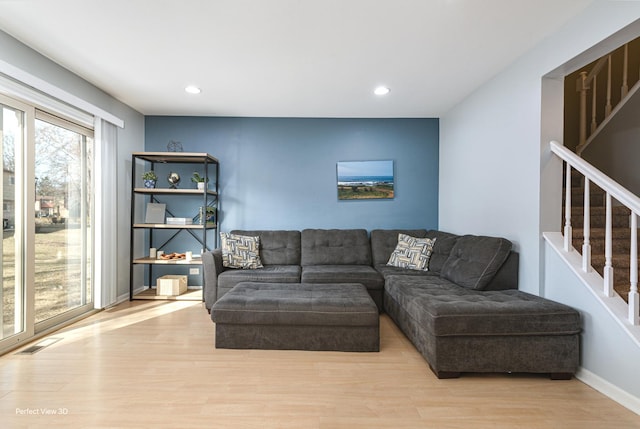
[(467, 316), (464, 330)]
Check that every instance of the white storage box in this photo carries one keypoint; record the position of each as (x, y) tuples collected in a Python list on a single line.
[(171, 285), (179, 221)]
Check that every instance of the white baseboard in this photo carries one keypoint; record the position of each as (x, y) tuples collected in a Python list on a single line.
[(124, 297), (622, 397)]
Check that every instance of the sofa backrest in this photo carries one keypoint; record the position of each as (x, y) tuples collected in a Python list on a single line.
[(384, 242), (277, 247), (441, 249), (335, 247), (475, 260), (507, 275)]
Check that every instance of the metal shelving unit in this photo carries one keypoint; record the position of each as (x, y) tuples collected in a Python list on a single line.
[(175, 197)]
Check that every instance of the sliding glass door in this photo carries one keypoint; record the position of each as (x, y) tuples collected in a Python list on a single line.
[(63, 217), (47, 206)]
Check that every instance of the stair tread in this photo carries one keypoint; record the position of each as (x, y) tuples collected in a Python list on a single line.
[(615, 210), (616, 260), (599, 233)]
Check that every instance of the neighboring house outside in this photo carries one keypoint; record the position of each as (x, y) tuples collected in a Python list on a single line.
[(47, 206)]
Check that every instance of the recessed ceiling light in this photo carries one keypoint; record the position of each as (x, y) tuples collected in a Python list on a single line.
[(192, 89), (381, 90)]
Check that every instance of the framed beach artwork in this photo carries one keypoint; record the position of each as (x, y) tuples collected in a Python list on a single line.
[(365, 180)]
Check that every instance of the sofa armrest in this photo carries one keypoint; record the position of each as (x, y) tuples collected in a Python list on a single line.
[(212, 267)]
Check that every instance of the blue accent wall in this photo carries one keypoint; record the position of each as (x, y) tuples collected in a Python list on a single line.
[(280, 173)]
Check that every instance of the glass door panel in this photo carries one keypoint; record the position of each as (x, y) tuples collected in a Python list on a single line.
[(63, 219), (12, 293)]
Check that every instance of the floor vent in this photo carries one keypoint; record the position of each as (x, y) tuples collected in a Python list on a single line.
[(38, 346)]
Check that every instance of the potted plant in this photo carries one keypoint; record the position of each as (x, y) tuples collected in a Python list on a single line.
[(206, 215), (150, 178), (210, 215), (199, 180)]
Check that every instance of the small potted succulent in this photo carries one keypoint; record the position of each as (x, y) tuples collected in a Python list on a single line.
[(206, 215), (200, 181), (150, 178), (210, 215)]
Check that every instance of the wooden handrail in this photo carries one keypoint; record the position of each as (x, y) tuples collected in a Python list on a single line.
[(596, 69), (617, 191)]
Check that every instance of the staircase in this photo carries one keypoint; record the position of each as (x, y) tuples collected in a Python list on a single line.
[(605, 87), (621, 232)]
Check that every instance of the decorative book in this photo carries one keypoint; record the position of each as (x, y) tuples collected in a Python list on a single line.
[(155, 213), (179, 221)]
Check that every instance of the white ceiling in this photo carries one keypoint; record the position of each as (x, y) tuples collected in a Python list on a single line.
[(286, 58)]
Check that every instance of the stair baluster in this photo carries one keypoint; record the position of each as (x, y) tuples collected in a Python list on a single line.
[(625, 73), (634, 299), (608, 249), (568, 233), (582, 87), (608, 107), (586, 246), (594, 123)]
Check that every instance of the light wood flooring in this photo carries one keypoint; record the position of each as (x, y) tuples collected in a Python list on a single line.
[(151, 364)]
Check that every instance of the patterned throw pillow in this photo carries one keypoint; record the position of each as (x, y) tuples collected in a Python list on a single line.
[(240, 251), (412, 253)]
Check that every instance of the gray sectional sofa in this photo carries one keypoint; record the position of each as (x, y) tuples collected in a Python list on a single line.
[(464, 314)]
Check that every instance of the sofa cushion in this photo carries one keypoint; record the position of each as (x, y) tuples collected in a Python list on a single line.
[(412, 253), (270, 274), (335, 247), (277, 247), (363, 274), (384, 241), (240, 251), (441, 249), (388, 270), (446, 309), (475, 260)]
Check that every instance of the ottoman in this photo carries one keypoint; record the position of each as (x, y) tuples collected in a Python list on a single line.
[(297, 316)]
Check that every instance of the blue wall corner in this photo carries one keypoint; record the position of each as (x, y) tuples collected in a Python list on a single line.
[(280, 173)]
